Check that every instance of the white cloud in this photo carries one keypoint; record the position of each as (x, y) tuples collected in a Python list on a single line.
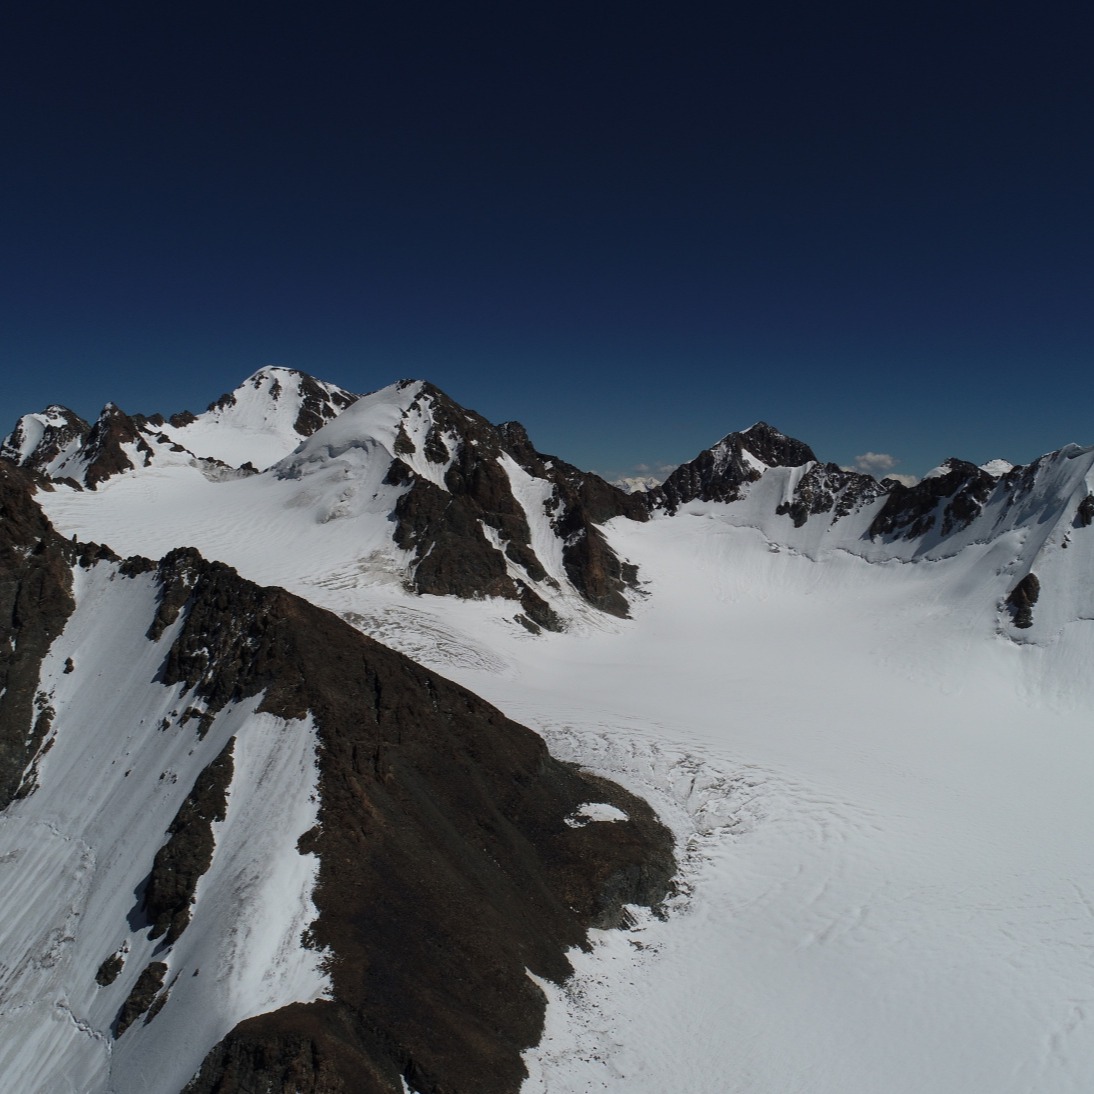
[(873, 462), (878, 464)]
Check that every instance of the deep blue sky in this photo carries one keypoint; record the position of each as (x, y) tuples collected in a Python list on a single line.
[(632, 227)]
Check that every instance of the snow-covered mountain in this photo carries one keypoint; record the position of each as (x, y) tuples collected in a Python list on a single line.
[(402, 483), (264, 419), (245, 845), (635, 484), (862, 708)]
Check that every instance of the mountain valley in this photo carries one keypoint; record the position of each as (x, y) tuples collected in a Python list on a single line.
[(801, 804)]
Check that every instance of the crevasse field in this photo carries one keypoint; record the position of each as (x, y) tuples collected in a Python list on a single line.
[(882, 800)]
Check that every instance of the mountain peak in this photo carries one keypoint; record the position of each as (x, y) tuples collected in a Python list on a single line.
[(45, 441), (262, 420), (723, 471)]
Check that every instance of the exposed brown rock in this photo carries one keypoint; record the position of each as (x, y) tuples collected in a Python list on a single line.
[(35, 603), (188, 852), (1021, 599), (454, 556), (110, 968), (445, 527), (103, 446), (948, 502), (721, 472), (55, 439), (142, 997), (318, 405), (827, 488), (447, 867)]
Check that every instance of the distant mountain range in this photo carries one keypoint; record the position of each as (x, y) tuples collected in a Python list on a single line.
[(457, 506)]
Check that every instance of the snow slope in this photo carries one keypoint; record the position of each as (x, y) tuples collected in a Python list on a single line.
[(74, 855), (883, 805), (258, 422)]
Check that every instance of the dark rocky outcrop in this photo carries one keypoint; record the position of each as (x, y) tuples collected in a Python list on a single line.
[(188, 852), (445, 527), (102, 450), (1021, 599), (828, 488), (319, 402), (945, 502), (721, 472), (290, 1050), (108, 971), (453, 554), (447, 867), (142, 998), (1084, 514), (35, 603)]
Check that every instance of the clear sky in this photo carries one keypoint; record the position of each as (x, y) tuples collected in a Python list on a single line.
[(633, 227)]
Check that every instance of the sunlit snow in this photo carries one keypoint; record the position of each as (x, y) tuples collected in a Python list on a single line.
[(75, 853)]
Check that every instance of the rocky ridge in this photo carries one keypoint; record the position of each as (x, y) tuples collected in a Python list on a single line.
[(447, 866), (476, 509)]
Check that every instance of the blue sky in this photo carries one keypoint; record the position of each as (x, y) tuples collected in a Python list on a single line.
[(633, 228)]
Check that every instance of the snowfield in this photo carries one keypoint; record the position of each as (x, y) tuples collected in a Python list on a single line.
[(881, 801)]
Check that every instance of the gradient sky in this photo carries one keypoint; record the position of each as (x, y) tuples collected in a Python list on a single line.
[(632, 227)]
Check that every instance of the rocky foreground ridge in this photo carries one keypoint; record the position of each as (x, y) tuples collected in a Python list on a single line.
[(450, 862)]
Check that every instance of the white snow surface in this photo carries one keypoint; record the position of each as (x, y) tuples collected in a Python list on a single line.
[(73, 856), (879, 788), (637, 484), (257, 427)]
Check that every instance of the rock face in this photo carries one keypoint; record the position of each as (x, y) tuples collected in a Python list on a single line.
[(827, 488), (188, 852), (447, 867), (473, 536), (35, 601), (1021, 600), (944, 502), (104, 450), (720, 473), (142, 998), (44, 441)]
